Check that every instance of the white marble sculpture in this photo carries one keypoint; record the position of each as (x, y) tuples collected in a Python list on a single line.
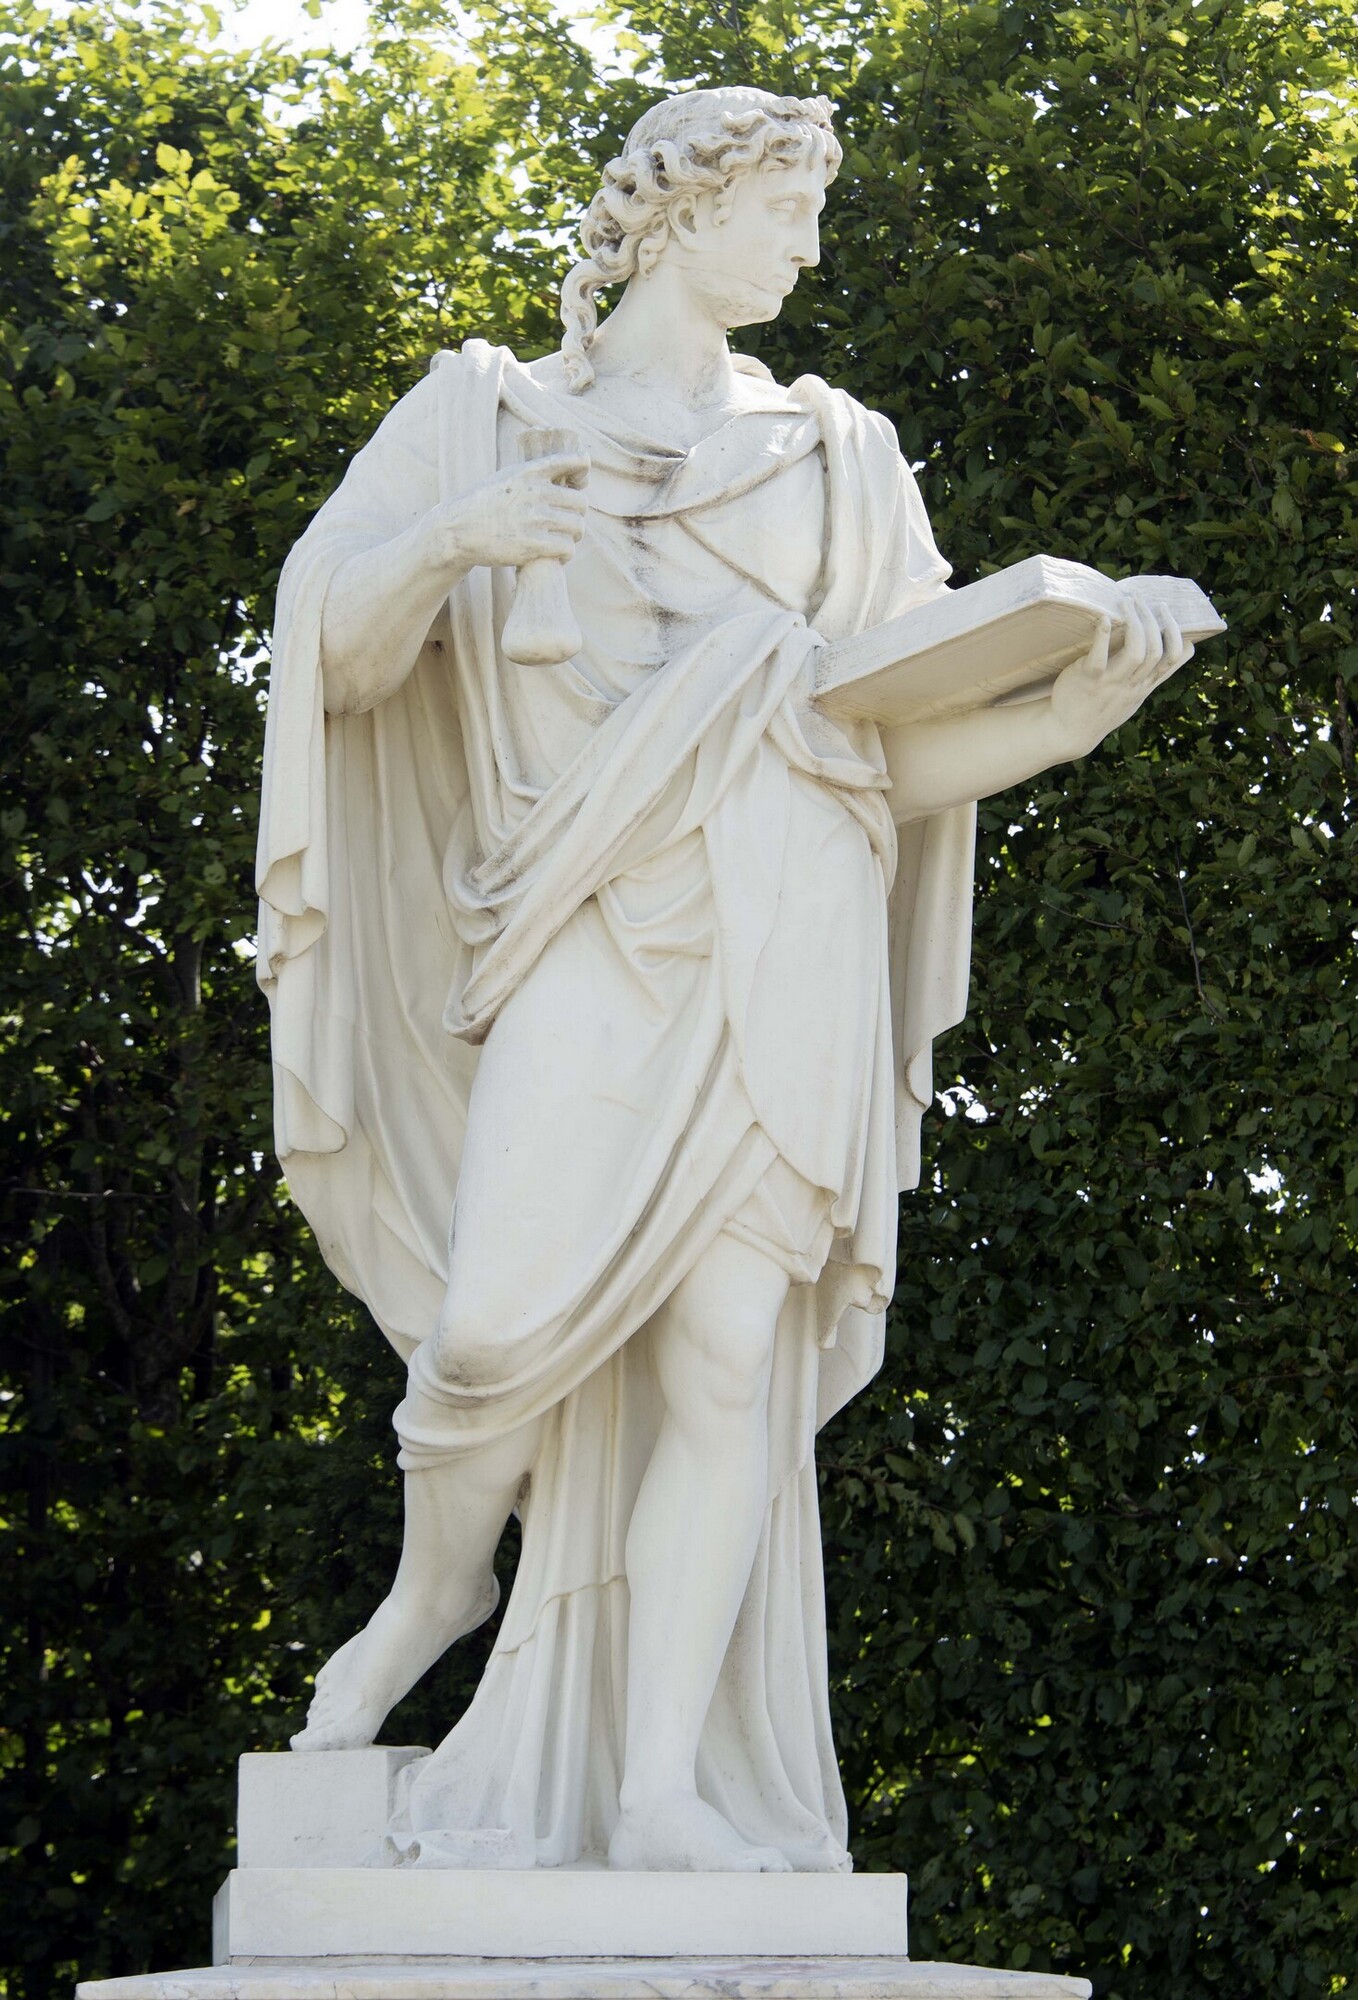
[(603, 995)]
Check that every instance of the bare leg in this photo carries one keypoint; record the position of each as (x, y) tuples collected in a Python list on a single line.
[(445, 1587), (690, 1548)]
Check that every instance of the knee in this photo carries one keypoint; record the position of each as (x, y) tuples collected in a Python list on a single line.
[(720, 1367), (470, 1347)]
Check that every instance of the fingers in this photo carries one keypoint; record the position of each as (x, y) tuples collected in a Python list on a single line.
[(534, 544), (558, 521), (1178, 650), (1138, 658), (556, 504), (1096, 659), (555, 497), (552, 526), (1171, 645), (540, 487), (565, 468), (1166, 648), (565, 472), (544, 513), (1152, 646), (560, 479), (1131, 653)]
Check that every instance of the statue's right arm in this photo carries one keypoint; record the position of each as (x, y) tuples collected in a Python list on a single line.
[(378, 611), (382, 600)]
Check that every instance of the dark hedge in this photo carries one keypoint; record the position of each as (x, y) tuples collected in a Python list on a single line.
[(1091, 1536)]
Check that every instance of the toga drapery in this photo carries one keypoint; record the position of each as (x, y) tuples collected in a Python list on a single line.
[(573, 968)]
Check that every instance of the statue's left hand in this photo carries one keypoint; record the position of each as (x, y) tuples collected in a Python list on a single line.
[(1096, 694)]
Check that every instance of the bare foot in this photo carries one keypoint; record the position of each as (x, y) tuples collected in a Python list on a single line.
[(339, 1717), (824, 1857), (359, 1685), (678, 1830)]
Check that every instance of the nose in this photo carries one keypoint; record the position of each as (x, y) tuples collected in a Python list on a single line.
[(806, 254)]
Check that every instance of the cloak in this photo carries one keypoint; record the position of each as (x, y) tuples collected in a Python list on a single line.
[(667, 828)]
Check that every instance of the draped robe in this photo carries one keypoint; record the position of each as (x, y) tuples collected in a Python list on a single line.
[(572, 969)]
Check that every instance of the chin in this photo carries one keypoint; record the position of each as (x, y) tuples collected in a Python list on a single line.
[(756, 311)]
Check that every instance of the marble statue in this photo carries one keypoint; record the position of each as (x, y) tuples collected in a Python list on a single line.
[(604, 969)]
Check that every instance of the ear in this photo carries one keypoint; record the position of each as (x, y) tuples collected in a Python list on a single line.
[(683, 218)]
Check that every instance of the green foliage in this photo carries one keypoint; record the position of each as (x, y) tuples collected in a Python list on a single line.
[(1095, 1608), (1092, 1534), (220, 271)]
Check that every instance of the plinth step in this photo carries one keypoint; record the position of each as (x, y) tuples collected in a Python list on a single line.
[(838, 1978), (545, 1913)]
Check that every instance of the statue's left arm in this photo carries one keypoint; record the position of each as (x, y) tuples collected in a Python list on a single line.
[(944, 762)]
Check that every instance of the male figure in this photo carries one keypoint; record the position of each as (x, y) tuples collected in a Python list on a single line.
[(685, 1015)]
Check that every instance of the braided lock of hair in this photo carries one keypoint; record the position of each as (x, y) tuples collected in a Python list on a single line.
[(699, 142)]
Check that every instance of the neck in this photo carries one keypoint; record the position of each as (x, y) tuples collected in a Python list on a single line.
[(659, 337)]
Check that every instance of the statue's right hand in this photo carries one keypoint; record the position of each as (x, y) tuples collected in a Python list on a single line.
[(533, 510)]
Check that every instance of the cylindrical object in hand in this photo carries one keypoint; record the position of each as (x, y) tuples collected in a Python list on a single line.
[(540, 630)]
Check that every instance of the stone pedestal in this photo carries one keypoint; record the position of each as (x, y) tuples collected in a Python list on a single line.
[(299, 1920), (549, 1913), (591, 1979), (328, 1809)]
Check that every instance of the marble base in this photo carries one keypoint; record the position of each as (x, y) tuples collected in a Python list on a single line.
[(596, 1979), (549, 1913), (327, 1809)]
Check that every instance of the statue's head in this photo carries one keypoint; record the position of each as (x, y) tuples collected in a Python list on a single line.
[(728, 185)]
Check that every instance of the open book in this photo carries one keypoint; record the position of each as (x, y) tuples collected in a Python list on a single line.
[(1003, 639)]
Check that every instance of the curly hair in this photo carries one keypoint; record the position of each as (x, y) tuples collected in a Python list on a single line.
[(699, 142)]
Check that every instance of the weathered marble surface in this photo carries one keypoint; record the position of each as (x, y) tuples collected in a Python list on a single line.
[(526, 1979)]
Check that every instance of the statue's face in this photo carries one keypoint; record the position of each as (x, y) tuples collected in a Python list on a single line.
[(743, 264)]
